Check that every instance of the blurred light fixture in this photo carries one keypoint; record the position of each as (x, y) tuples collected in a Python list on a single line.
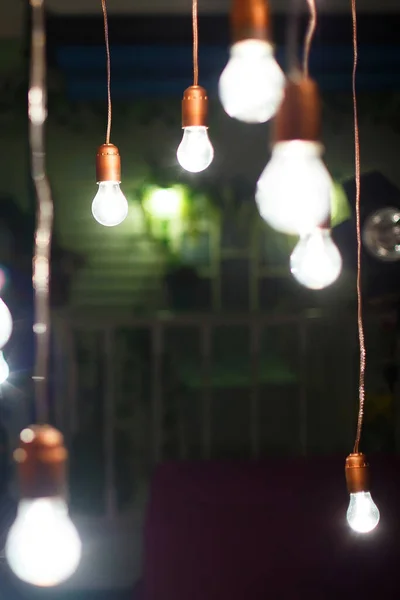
[(251, 85), (109, 207), (294, 190)]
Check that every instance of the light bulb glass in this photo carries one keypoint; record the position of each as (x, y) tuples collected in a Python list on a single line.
[(316, 261), (6, 324), (195, 152), (4, 369), (294, 190), (381, 234), (43, 547), (363, 514), (252, 84), (110, 207)]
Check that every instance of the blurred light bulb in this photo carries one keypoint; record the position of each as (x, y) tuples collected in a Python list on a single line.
[(294, 190), (6, 324), (363, 514), (4, 369), (252, 83), (381, 234), (316, 262), (195, 152), (43, 547), (110, 207)]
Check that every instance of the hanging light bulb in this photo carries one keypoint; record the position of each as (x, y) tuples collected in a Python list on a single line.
[(293, 193), (363, 514), (381, 234), (195, 152), (6, 324), (251, 85), (4, 369), (43, 547), (109, 207), (316, 261)]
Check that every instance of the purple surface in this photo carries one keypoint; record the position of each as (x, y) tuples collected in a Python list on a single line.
[(268, 530)]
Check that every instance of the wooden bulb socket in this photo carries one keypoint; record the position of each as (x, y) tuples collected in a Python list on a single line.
[(250, 20), (195, 107), (357, 473), (108, 164), (299, 116), (41, 462)]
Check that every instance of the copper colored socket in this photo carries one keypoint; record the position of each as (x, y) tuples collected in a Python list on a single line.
[(250, 20), (195, 107), (108, 163), (299, 117), (357, 473), (41, 462), (326, 224)]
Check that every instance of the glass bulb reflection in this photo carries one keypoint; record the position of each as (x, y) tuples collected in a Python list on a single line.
[(43, 547), (195, 152), (6, 324), (381, 234), (316, 261), (363, 514), (252, 83), (109, 207), (294, 190), (4, 369)]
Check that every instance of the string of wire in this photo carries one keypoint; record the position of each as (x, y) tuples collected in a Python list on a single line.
[(107, 43), (312, 25), (44, 209), (360, 323), (195, 21)]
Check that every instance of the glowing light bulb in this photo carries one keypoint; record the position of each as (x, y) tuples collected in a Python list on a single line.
[(251, 85), (4, 369), (110, 207), (316, 262), (294, 190), (381, 234), (195, 152), (363, 514), (43, 547), (6, 324)]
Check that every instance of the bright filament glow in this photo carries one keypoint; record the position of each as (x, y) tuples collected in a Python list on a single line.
[(252, 83), (363, 514), (294, 190), (4, 369), (110, 207), (195, 152), (6, 324), (43, 547), (316, 262)]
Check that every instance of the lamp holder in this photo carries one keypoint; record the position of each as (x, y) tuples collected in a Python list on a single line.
[(41, 462), (299, 116), (108, 164), (250, 20), (357, 473), (195, 107)]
